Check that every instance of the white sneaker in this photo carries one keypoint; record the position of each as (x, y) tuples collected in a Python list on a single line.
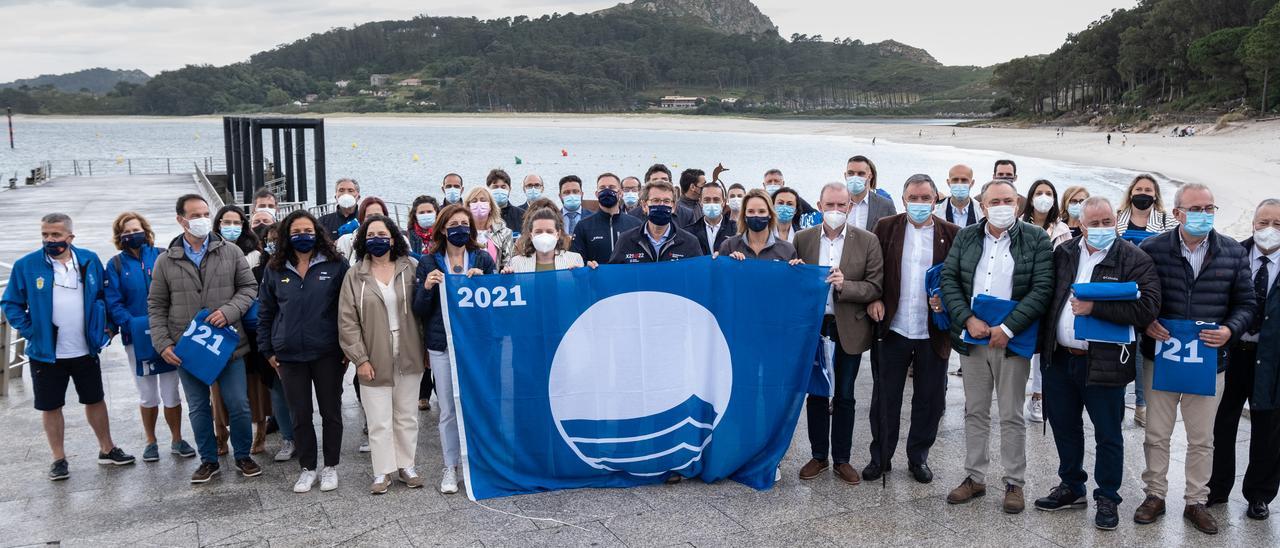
[(1035, 409), (448, 480), (305, 480), (364, 446), (328, 478), (286, 451)]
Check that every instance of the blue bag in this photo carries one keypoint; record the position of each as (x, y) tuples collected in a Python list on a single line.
[(205, 349), (145, 359), (1183, 363), (933, 286), (993, 311), (1137, 236)]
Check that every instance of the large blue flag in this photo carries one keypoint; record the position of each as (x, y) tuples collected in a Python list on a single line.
[(621, 375)]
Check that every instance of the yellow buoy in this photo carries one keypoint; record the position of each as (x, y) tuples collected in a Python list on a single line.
[(119, 159), (415, 157), (353, 145)]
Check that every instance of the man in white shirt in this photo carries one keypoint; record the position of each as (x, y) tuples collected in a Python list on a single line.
[(1082, 375), (960, 209)]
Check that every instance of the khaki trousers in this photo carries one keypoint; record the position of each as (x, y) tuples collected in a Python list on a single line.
[(986, 370), (1198, 414)]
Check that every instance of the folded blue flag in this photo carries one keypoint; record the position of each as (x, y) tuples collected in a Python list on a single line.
[(993, 311), (933, 285), (145, 359), (1089, 328), (1183, 363), (822, 380), (205, 349), (1106, 291), (1136, 236)]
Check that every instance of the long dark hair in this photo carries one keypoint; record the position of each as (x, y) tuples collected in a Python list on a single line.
[(248, 240), (398, 247), (1029, 211), (413, 210), (284, 247), (440, 234)]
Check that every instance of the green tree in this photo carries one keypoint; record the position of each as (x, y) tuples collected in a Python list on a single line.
[(1261, 49)]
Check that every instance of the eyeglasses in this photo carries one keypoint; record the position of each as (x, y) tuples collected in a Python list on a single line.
[(1210, 209), (662, 201)]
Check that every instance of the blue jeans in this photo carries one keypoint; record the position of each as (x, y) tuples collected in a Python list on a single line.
[(280, 410), (235, 396), (1066, 397)]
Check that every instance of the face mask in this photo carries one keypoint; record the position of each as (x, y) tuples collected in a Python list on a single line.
[(772, 189), (834, 218), (532, 193), (631, 198), (1267, 239), (231, 233), (480, 210), (712, 211), (452, 195), (459, 235), (270, 248), (1042, 203), (268, 211), (1101, 237), (960, 191), (735, 203), (53, 249), (544, 242), (756, 224), (1074, 210), (919, 212), (377, 246), (135, 240), (1198, 224), (501, 196), (346, 201), (426, 220), (1142, 201), (572, 202), (607, 197), (1002, 217), (785, 213), (856, 185), (200, 227), (660, 215), (303, 243)]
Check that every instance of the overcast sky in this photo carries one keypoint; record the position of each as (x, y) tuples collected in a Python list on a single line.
[(56, 36)]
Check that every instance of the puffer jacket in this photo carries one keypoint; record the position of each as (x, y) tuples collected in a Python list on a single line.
[(364, 331), (1109, 364), (179, 290), (1032, 277), (1222, 293)]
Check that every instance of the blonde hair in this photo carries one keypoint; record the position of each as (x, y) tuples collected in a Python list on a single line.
[(117, 228), (1125, 202), (742, 211), (1066, 200)]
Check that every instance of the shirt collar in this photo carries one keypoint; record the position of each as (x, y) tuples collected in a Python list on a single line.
[(1257, 254), (664, 237), (187, 245), (843, 230)]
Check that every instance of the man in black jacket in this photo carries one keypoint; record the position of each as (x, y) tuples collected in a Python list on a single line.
[(346, 194), (595, 236), (657, 239), (1091, 375), (1204, 276), (714, 225)]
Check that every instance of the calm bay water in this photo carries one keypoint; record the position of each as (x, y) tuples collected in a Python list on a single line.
[(381, 153)]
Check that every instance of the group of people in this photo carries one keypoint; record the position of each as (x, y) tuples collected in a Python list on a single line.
[(314, 295)]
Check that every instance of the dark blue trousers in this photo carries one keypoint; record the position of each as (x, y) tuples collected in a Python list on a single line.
[(1066, 398)]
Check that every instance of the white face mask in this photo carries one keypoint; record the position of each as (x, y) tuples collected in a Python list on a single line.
[(735, 203), (346, 201), (1267, 239), (834, 218), (1002, 217), (268, 211), (1043, 203), (200, 226), (544, 242)]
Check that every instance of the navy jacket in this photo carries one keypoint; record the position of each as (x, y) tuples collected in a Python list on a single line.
[(728, 229), (513, 216), (334, 220), (1222, 293), (128, 284), (595, 236), (1266, 372), (634, 247), (298, 317), (426, 304)]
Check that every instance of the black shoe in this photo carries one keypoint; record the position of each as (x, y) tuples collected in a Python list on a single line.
[(205, 472), (116, 457), (921, 472), (60, 471), (1106, 518), (1257, 510), (873, 471), (248, 467), (1215, 500), (1062, 498)]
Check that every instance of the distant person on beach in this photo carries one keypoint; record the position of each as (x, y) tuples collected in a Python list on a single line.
[(960, 209), (1108, 138), (346, 195), (55, 301)]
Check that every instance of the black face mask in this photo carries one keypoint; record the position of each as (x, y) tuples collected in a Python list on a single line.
[(1142, 201)]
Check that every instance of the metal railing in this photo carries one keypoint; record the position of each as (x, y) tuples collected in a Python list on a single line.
[(96, 167), (399, 212), (13, 351)]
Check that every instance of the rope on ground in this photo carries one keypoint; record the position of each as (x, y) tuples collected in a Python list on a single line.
[(512, 514)]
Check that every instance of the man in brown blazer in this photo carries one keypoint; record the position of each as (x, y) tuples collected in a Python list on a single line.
[(856, 263), (914, 241)]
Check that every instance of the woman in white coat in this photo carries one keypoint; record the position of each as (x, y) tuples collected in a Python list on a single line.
[(543, 245)]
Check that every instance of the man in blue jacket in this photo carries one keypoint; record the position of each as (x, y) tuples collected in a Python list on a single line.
[(595, 236), (658, 239), (55, 301)]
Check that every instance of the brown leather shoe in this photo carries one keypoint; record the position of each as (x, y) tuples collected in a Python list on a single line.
[(812, 468), (1200, 517), (1014, 502), (967, 491), (1149, 511), (847, 473)]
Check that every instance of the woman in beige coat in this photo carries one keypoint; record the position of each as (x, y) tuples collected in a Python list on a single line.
[(381, 335)]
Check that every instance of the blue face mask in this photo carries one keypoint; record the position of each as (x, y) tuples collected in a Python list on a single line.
[(135, 240), (785, 213), (572, 202), (532, 193), (377, 246), (856, 184), (660, 215), (452, 195), (607, 197), (270, 248), (960, 191), (1074, 210), (1101, 237), (919, 213), (1198, 223), (756, 224), (772, 189), (53, 249), (303, 243), (231, 233), (426, 220), (459, 235), (501, 196), (712, 211), (630, 198)]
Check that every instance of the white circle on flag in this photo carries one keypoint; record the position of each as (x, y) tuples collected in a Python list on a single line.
[(640, 381)]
